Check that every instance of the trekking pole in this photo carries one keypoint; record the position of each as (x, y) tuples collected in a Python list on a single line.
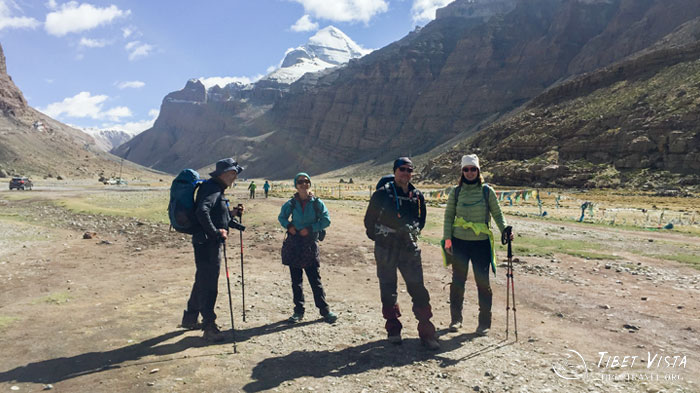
[(230, 304), (242, 271), (510, 286)]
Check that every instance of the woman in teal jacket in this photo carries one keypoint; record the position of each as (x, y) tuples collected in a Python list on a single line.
[(467, 236), (300, 251)]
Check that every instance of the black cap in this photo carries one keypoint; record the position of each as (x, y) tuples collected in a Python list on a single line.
[(225, 165), (402, 161)]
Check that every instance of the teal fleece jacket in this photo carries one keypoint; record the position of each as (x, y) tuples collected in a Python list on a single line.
[(472, 208), (304, 217)]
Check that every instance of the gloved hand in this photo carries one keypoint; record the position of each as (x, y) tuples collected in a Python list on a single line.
[(448, 246)]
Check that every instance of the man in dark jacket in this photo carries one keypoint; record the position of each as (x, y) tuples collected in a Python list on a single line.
[(394, 218), (214, 219)]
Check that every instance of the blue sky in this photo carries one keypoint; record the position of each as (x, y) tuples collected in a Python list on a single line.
[(109, 64)]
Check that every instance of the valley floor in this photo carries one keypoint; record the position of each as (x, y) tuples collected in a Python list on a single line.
[(101, 314)]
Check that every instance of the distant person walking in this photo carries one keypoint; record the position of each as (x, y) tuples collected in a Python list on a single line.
[(394, 218), (309, 219), (467, 236), (252, 188), (266, 188), (214, 219)]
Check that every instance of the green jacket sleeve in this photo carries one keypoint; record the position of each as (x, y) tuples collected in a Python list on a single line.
[(450, 211), (495, 209)]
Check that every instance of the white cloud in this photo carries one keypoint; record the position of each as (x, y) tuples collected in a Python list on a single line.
[(424, 10), (225, 80), (7, 21), (127, 32), (71, 17), (131, 84), (51, 4), (138, 49), (84, 105), (135, 127), (92, 43), (344, 10), (304, 24)]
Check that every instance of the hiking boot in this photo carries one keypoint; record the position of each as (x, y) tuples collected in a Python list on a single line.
[(484, 323), (189, 321), (482, 331), (394, 338), (331, 317), (455, 326), (430, 343), (296, 317), (213, 334)]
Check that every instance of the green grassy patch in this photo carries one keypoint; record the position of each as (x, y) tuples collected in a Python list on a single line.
[(547, 247), (692, 260), (150, 206), (6, 321), (54, 298)]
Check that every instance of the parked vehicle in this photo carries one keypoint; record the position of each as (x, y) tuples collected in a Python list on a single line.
[(21, 183)]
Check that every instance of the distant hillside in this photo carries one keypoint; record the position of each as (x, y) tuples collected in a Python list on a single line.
[(34, 144), (632, 124), (478, 61)]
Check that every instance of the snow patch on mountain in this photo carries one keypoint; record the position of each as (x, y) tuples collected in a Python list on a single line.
[(106, 140), (329, 47)]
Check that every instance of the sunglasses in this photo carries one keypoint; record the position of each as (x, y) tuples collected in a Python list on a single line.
[(405, 169), (303, 181), (470, 169)]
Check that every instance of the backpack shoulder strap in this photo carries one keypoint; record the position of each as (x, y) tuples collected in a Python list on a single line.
[(485, 190), (317, 208), (457, 190)]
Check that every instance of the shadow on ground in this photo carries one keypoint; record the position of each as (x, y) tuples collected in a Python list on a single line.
[(64, 368), (272, 372)]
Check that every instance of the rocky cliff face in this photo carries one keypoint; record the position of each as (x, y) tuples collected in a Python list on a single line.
[(12, 101), (632, 124), (476, 62)]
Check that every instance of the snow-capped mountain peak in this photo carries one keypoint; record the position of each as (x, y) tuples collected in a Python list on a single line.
[(329, 47)]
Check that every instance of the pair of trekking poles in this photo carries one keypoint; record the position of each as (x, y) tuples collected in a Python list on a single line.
[(228, 283), (510, 286)]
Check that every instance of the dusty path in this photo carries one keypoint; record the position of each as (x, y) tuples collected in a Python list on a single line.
[(100, 315)]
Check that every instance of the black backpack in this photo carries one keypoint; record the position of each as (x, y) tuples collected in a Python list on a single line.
[(319, 214)]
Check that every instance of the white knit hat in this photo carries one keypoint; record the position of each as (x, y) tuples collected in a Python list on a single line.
[(470, 160)]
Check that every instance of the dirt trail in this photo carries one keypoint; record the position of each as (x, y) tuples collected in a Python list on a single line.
[(100, 315)]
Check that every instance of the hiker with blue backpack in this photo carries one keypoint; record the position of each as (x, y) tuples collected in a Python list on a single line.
[(467, 236), (309, 220), (212, 218)]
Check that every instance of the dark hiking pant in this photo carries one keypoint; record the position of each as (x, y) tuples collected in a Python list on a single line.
[(479, 252), (406, 258), (252, 194), (314, 276), (207, 258)]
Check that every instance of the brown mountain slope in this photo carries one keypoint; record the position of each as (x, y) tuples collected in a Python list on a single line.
[(632, 124), (33, 144)]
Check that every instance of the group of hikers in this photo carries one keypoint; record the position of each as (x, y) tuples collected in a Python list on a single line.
[(252, 186), (394, 218)]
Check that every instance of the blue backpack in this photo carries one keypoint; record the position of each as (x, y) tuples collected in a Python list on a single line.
[(182, 201)]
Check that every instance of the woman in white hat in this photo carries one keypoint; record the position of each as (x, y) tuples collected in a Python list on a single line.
[(467, 237)]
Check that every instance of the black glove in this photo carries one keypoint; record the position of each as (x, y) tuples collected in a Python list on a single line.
[(236, 225)]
